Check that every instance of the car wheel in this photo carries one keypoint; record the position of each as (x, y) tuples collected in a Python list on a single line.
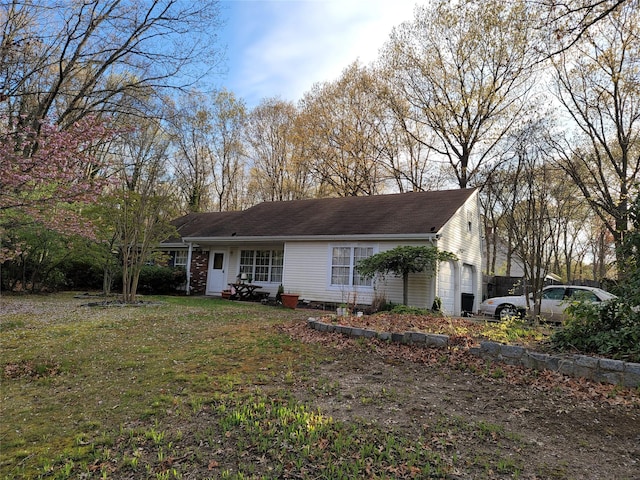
[(507, 311)]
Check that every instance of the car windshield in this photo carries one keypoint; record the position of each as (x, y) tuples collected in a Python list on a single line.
[(583, 294), (604, 295)]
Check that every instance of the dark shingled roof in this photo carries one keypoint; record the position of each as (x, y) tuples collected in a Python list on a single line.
[(189, 224), (402, 213)]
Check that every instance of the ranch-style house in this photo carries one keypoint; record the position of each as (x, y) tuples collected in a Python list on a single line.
[(311, 247)]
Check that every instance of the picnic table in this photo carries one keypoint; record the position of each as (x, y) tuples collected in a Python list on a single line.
[(245, 291)]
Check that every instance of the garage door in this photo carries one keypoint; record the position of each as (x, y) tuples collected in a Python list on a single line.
[(446, 286), (467, 279)]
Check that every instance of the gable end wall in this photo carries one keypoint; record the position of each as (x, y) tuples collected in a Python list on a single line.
[(467, 246)]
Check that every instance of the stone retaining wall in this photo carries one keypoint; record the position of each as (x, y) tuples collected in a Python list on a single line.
[(602, 370)]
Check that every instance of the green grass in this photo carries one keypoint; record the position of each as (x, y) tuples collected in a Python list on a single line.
[(514, 330), (191, 388)]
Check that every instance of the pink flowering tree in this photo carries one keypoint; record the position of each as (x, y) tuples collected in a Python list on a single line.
[(47, 176)]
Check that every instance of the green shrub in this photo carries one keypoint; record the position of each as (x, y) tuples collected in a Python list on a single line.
[(155, 279), (437, 305), (83, 274), (611, 328), (404, 309), (513, 329)]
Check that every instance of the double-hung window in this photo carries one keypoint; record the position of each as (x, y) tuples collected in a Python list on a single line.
[(344, 260), (180, 258), (262, 265)]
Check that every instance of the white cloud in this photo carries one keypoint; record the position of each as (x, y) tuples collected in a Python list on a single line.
[(281, 48)]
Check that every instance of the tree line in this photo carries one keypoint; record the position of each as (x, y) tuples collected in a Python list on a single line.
[(107, 132)]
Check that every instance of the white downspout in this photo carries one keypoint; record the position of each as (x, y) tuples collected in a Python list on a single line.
[(189, 268), (435, 283)]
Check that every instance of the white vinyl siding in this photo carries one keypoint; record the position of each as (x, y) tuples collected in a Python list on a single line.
[(465, 243), (308, 272)]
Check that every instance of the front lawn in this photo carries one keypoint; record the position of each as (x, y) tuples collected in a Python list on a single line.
[(202, 388)]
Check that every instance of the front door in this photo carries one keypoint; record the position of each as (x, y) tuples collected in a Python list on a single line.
[(216, 280)]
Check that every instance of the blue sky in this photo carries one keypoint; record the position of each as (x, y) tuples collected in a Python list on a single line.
[(280, 48)]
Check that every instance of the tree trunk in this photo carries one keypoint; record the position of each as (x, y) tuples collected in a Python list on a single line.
[(106, 281), (405, 288)]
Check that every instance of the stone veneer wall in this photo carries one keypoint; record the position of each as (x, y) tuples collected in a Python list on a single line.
[(601, 370), (199, 269)]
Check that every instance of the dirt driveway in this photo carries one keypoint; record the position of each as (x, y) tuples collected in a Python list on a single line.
[(540, 425)]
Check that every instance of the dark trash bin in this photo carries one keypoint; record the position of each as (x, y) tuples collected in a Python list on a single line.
[(467, 304)]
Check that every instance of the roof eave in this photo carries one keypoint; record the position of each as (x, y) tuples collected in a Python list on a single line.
[(324, 238), (173, 245)]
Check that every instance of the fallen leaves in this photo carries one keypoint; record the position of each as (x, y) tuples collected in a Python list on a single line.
[(30, 368), (458, 357)]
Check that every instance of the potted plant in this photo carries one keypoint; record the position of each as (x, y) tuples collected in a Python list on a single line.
[(289, 300)]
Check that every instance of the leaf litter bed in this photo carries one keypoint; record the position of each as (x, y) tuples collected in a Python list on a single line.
[(540, 425), (120, 303)]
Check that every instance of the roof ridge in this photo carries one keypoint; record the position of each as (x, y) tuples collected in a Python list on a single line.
[(406, 213)]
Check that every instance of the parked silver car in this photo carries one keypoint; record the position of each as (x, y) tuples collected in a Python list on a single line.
[(555, 299)]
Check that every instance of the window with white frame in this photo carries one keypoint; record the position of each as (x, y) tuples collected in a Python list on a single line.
[(262, 265), (344, 260), (180, 258)]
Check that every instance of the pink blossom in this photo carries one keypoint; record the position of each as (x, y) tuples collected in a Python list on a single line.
[(43, 174)]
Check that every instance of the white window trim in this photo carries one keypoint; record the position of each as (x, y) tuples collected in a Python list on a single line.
[(175, 258), (271, 264), (351, 288)]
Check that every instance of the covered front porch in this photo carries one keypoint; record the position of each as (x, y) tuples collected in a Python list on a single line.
[(247, 267)]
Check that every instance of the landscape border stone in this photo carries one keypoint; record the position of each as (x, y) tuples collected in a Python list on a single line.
[(603, 370)]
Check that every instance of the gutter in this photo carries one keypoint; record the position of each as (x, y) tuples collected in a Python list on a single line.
[(189, 253), (171, 245), (301, 238)]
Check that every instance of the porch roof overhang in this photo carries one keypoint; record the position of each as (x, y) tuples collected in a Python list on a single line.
[(170, 245)]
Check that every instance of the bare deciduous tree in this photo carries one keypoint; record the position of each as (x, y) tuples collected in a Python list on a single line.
[(598, 84), (67, 59), (465, 68), (191, 129), (567, 21), (227, 149), (339, 124), (276, 170), (141, 208), (410, 164), (529, 213)]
